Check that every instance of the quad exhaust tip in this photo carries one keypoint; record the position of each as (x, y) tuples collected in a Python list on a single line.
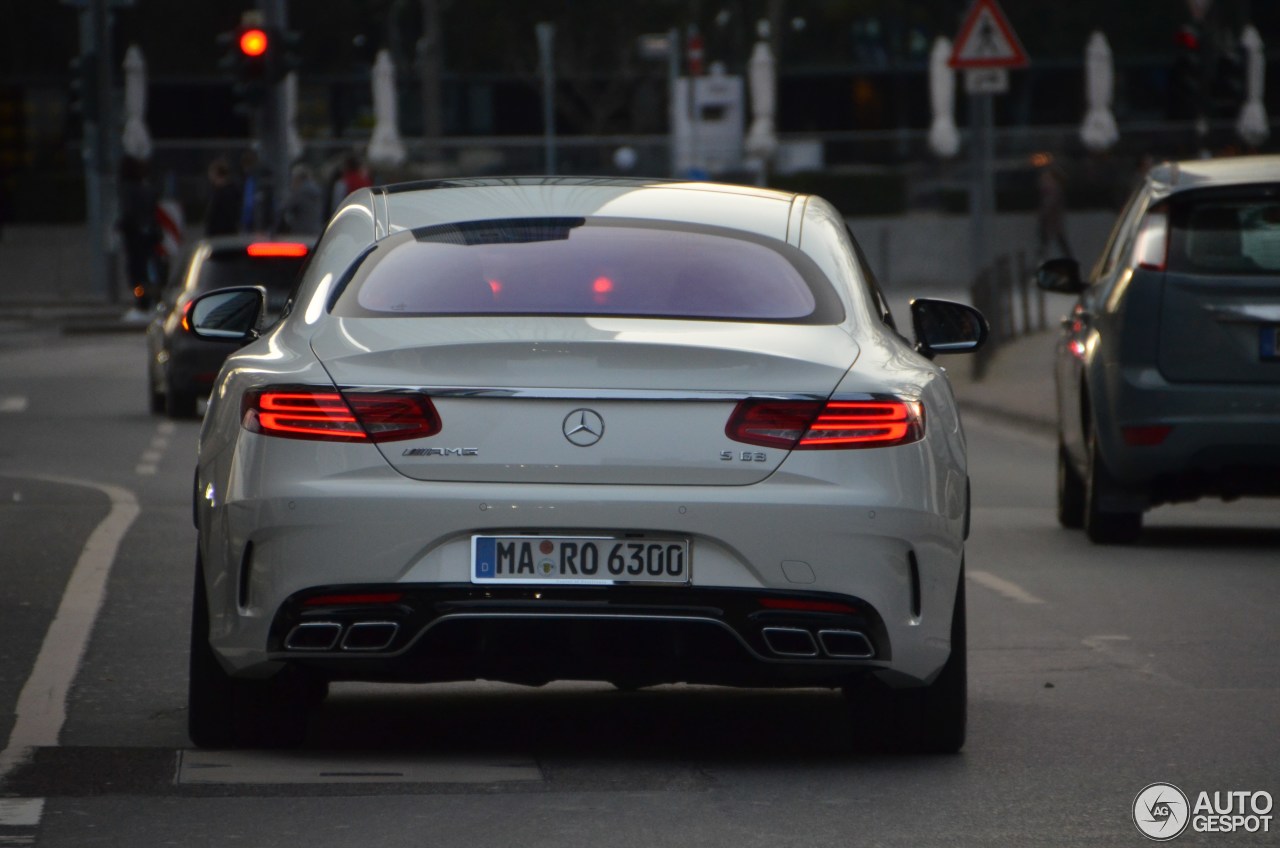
[(325, 635), (836, 644), (370, 635), (846, 644), (314, 636), (790, 641)]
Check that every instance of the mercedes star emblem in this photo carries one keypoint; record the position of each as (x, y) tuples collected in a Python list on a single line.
[(583, 427)]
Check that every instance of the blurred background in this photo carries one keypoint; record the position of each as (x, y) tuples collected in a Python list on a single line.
[(647, 88)]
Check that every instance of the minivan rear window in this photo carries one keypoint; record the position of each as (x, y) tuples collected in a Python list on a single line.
[(1236, 232), (581, 266)]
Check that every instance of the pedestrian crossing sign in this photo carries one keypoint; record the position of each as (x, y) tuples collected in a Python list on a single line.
[(986, 40)]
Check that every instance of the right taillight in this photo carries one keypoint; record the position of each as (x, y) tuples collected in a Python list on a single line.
[(1151, 247), (327, 415), (827, 425)]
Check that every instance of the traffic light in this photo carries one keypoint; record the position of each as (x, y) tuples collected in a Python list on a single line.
[(256, 57), (1186, 88), (83, 88), (248, 60)]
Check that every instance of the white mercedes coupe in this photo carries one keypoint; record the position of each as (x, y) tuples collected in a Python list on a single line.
[(537, 429)]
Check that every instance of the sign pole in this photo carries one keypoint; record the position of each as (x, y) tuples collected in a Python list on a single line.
[(985, 49), (981, 191)]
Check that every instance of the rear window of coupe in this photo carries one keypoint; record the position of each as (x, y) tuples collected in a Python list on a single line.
[(578, 266), (1227, 232)]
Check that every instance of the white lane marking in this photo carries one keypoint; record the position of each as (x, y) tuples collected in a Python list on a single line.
[(293, 767), (1000, 586), (15, 403), (149, 463), (42, 705), (21, 812)]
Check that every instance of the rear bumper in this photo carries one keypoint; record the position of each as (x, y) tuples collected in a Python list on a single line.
[(890, 552), (639, 635), (1224, 439)]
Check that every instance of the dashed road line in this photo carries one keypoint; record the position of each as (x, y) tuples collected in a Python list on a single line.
[(149, 463), (1003, 587), (13, 403)]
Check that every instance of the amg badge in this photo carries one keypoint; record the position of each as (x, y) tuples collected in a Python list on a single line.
[(441, 452)]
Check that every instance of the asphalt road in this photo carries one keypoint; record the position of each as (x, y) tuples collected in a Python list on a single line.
[(1094, 672)]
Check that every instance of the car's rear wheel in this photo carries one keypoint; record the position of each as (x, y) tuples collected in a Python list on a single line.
[(1071, 494), (931, 719), (155, 397), (224, 712), (1102, 526)]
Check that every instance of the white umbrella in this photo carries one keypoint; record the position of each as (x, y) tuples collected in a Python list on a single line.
[(944, 138), (293, 140), (1252, 124), (385, 147), (1098, 131), (137, 141), (762, 139)]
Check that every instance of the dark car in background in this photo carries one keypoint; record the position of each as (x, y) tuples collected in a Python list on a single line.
[(180, 367), (1168, 369)]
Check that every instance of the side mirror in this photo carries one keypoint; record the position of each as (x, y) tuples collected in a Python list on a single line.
[(1060, 275), (943, 326), (229, 315)]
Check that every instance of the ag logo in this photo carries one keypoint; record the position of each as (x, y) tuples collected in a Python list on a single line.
[(1161, 812)]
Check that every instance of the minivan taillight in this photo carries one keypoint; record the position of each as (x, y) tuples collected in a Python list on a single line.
[(826, 425), (352, 416), (1151, 248)]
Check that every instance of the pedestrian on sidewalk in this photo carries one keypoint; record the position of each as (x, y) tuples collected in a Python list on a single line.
[(251, 201), (1051, 218), (139, 230), (222, 215), (303, 210), (354, 175)]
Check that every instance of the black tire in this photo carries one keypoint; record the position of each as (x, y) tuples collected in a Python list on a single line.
[(929, 720), (155, 397), (1071, 492), (224, 712), (179, 403), (1103, 527)]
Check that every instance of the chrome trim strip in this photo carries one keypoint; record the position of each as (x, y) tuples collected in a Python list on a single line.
[(591, 394), (623, 394)]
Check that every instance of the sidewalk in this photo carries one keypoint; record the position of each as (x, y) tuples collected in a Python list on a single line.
[(44, 281), (1018, 386)]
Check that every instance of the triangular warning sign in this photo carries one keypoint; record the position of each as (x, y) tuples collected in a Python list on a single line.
[(986, 40)]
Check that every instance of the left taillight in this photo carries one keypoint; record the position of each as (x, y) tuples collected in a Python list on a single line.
[(827, 425), (350, 416)]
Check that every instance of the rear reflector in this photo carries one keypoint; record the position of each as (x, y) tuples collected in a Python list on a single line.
[(354, 599), (303, 413), (817, 425), (803, 605), (276, 249), (1145, 437)]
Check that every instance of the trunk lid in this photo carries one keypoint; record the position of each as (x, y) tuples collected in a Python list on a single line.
[(584, 400), (1220, 310)]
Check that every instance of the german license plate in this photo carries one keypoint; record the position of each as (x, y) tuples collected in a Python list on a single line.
[(1269, 343), (578, 559)]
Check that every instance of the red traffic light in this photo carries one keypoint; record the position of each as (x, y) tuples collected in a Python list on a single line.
[(253, 42)]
